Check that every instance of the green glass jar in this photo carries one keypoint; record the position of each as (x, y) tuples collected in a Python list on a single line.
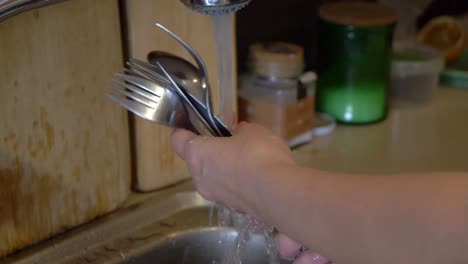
[(355, 44)]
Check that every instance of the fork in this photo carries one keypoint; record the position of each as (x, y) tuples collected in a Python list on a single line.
[(151, 102), (161, 77)]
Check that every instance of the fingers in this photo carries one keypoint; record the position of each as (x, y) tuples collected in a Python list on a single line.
[(188, 146), (290, 250), (287, 248), (310, 257)]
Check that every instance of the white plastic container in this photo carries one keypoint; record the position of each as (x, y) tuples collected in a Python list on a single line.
[(415, 73)]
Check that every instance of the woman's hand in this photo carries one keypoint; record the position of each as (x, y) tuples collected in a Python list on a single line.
[(225, 170)]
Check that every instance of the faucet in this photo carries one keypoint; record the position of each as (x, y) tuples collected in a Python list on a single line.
[(10, 8), (215, 7)]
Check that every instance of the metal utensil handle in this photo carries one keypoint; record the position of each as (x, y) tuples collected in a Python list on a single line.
[(203, 71), (186, 100)]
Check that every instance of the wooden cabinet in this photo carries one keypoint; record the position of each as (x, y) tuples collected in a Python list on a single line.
[(64, 147)]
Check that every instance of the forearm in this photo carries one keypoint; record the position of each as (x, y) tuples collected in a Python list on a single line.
[(369, 219)]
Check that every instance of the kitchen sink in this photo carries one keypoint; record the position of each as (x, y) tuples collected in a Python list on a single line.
[(202, 245), (174, 230)]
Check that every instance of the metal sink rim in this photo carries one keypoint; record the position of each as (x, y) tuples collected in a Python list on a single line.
[(103, 230)]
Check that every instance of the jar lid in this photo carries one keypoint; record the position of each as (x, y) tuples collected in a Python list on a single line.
[(358, 13), (277, 59)]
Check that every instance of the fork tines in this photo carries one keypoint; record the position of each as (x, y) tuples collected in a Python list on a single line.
[(135, 88)]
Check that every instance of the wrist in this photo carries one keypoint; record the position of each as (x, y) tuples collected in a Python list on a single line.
[(262, 185)]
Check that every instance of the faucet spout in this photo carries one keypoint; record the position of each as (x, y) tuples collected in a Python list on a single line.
[(215, 7), (10, 8)]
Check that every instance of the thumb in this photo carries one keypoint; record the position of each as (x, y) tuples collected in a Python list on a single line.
[(180, 138)]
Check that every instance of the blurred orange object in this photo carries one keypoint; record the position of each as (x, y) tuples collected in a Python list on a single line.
[(446, 34)]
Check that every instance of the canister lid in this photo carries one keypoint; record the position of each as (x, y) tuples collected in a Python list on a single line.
[(277, 59), (358, 13)]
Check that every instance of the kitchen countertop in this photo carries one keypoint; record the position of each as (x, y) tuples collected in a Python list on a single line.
[(430, 137)]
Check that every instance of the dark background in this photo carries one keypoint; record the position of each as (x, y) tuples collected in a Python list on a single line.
[(296, 21)]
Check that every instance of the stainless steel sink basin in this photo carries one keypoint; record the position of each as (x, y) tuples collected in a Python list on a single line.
[(204, 246), (174, 230)]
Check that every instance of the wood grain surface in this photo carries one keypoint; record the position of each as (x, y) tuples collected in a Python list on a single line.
[(64, 148)]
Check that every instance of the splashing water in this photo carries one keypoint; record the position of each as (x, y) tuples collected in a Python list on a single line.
[(271, 246), (246, 227), (210, 215)]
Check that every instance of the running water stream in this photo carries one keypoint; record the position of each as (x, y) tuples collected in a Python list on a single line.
[(223, 29)]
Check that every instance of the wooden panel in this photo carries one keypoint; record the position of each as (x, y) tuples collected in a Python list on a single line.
[(64, 155), (156, 164)]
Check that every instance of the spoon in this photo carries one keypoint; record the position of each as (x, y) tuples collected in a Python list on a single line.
[(203, 73), (185, 72), (188, 77)]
